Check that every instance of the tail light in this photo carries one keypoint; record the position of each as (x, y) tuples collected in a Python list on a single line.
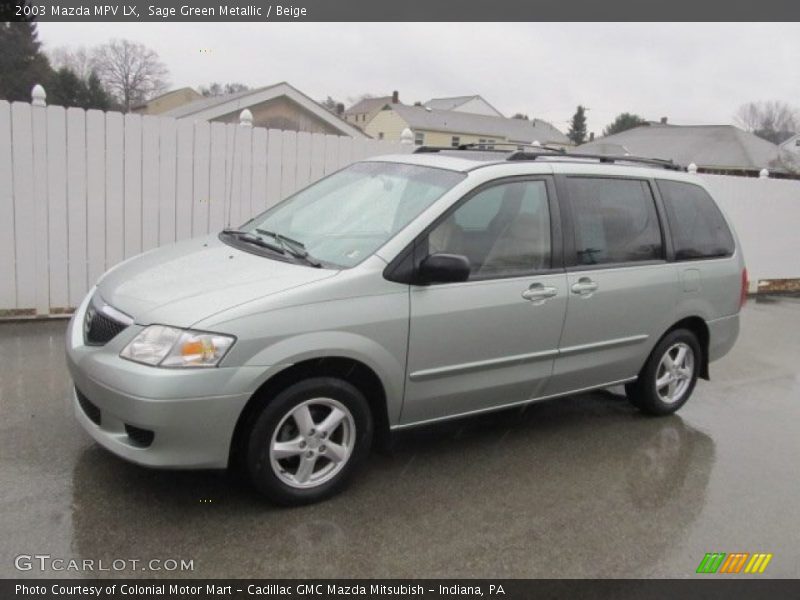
[(743, 293)]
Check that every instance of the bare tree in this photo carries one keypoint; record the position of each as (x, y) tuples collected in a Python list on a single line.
[(131, 71), (771, 120), (218, 89), (78, 60), (356, 99)]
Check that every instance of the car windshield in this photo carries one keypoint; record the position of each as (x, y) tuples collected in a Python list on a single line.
[(342, 219)]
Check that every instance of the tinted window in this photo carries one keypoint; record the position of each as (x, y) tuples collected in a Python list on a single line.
[(478, 213), (697, 225), (615, 221), (504, 230)]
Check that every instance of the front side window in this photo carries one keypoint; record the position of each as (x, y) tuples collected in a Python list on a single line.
[(697, 226), (344, 218), (615, 221), (504, 230)]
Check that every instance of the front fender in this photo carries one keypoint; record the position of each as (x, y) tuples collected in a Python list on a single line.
[(299, 348)]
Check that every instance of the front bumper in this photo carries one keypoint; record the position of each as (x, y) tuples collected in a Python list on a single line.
[(192, 413)]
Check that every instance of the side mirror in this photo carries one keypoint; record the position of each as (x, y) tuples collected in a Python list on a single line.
[(444, 268)]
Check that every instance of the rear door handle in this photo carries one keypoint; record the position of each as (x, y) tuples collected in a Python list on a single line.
[(584, 287), (539, 293)]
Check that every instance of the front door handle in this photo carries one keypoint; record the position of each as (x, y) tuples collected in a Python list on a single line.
[(538, 293), (584, 287)]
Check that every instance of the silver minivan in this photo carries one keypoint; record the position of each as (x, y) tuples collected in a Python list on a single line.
[(401, 291)]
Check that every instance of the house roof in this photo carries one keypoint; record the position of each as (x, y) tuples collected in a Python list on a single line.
[(792, 142), (164, 95), (456, 101), (514, 130), (367, 105), (449, 103), (709, 146), (217, 106)]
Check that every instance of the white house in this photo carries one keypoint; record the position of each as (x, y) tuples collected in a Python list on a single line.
[(475, 105), (279, 106), (789, 153)]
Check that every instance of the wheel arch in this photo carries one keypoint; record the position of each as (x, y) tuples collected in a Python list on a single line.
[(698, 326), (348, 369)]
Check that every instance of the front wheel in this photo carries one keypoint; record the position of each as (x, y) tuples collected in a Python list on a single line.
[(307, 441), (669, 375)]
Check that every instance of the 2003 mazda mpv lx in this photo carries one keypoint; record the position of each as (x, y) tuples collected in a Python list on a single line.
[(405, 290)]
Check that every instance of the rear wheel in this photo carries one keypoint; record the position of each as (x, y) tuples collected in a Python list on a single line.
[(668, 377), (308, 440)]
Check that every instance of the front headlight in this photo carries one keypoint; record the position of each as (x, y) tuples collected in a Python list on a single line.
[(159, 345)]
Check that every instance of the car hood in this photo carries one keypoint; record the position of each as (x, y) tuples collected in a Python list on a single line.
[(188, 281)]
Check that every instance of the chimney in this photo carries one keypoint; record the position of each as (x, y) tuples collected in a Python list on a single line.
[(339, 109), (395, 97), (591, 136), (663, 120)]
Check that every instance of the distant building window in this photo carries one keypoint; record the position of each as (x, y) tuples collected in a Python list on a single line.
[(380, 135), (797, 142), (456, 141), (490, 145), (419, 138), (482, 144)]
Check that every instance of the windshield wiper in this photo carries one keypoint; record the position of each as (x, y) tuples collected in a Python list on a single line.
[(246, 236), (294, 247)]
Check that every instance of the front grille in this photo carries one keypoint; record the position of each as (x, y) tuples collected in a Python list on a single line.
[(100, 328), (88, 407), (140, 437)]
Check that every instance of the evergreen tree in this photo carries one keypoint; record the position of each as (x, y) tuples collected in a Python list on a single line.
[(65, 88), (22, 62), (95, 95), (623, 122), (577, 127)]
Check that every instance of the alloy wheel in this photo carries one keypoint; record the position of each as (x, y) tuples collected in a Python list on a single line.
[(675, 373), (312, 443)]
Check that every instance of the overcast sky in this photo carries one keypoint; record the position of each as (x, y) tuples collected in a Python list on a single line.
[(691, 73)]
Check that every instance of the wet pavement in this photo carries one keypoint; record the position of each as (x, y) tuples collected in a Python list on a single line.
[(578, 487)]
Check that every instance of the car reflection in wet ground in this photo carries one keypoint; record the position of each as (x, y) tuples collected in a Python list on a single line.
[(579, 487)]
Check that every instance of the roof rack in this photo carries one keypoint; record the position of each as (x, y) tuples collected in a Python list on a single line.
[(545, 151), (476, 148), (603, 158), (488, 147)]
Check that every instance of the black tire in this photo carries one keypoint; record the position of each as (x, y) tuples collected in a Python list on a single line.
[(643, 393), (275, 414)]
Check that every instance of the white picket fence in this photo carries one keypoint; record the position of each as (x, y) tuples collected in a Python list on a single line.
[(83, 190)]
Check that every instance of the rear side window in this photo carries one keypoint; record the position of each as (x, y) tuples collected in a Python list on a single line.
[(696, 223), (615, 221)]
